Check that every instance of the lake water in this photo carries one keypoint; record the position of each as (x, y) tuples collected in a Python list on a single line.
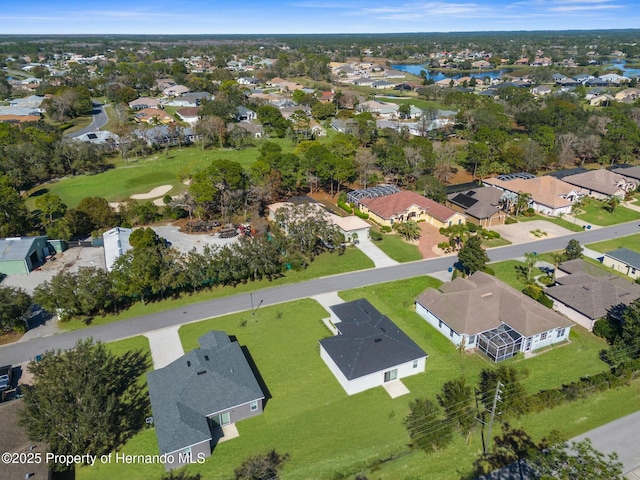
[(436, 76), (622, 65)]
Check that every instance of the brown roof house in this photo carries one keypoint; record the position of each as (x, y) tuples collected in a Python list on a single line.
[(602, 184), (481, 312), (586, 293), (482, 206), (549, 195), (404, 206)]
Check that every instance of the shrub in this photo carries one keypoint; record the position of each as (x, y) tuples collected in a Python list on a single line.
[(375, 235), (342, 197), (607, 328), (473, 228), (529, 212), (360, 214), (345, 207), (385, 229), (444, 245), (510, 221)]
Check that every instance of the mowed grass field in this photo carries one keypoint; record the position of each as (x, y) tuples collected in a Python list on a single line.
[(141, 174), (329, 434)]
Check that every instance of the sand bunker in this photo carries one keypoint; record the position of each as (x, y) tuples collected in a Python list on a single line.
[(153, 193)]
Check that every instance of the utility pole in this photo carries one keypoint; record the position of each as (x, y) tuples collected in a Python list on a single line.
[(496, 399)]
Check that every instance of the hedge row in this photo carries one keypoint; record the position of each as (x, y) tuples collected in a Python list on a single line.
[(345, 207)]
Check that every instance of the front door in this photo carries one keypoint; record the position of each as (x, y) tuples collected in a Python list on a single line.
[(528, 345), (391, 375)]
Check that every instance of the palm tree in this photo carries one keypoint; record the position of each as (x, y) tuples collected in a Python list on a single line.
[(409, 230), (613, 202), (558, 258), (523, 202)]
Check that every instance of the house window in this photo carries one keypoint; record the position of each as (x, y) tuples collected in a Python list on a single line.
[(254, 405), (472, 339), (459, 221), (415, 364), (439, 323), (561, 332), (451, 332), (543, 336), (186, 451)]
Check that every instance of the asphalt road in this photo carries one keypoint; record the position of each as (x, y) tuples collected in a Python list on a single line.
[(21, 352), (620, 436), (99, 120)]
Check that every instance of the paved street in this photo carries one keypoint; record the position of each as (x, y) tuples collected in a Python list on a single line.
[(99, 120), (24, 351)]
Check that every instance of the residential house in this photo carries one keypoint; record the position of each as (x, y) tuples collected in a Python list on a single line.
[(602, 184), (549, 195), (249, 81), (623, 260), (344, 126), (143, 103), (481, 312), (395, 74), (614, 78), (188, 99), (99, 137), (362, 82), (482, 64), (189, 115), (243, 114), (369, 350), (195, 397), (628, 172), (163, 135), (31, 102), (175, 90), (586, 293), (541, 90), (116, 243), (253, 130), (153, 116), (382, 109), (628, 95), (482, 206), (23, 254), (406, 205), (382, 84)]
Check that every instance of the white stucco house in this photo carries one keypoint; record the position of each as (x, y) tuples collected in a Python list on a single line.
[(481, 312), (116, 243), (369, 350)]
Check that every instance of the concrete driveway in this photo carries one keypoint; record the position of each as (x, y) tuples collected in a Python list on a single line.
[(521, 232)]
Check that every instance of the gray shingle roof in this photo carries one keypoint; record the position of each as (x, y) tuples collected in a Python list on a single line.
[(210, 379), (626, 256), (590, 290), (481, 302), (368, 341)]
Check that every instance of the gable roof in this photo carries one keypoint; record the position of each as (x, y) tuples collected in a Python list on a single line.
[(629, 172), (479, 203), (481, 302), (16, 248), (213, 378), (400, 202), (590, 290), (368, 341)]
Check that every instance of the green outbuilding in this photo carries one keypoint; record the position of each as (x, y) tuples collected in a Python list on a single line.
[(22, 254)]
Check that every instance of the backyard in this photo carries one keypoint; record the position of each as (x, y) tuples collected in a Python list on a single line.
[(329, 434)]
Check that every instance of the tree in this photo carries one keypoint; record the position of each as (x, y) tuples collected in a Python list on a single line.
[(15, 309), (513, 394), (457, 401), (577, 460), (427, 429), (573, 250), (409, 230), (472, 256), (612, 203), (86, 400), (13, 212), (50, 205), (530, 260), (261, 467), (626, 345), (522, 203)]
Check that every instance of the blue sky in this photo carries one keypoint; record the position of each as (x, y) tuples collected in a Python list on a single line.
[(309, 16)]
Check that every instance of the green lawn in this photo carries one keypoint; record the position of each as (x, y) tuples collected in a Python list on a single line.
[(596, 213), (323, 265), (329, 434), (398, 249), (632, 242), (495, 242), (509, 272), (141, 174), (558, 221)]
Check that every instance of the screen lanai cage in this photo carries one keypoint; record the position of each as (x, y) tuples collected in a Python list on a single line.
[(500, 343), (355, 196)]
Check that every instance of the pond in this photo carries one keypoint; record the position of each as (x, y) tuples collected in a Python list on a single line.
[(622, 65), (437, 76)]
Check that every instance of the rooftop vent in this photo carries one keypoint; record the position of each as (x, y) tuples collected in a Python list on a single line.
[(377, 340), (488, 294), (188, 363), (201, 372), (206, 357)]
